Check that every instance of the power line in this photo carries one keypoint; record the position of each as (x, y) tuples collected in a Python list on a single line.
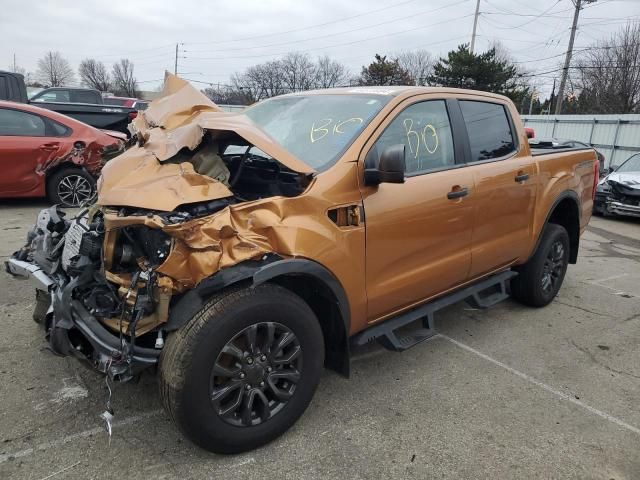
[(344, 19), (337, 44), (330, 34)]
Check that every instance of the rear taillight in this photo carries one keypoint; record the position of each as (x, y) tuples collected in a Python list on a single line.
[(132, 115), (596, 177)]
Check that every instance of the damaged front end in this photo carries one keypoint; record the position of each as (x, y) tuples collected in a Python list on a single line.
[(89, 312), (623, 196), (201, 191)]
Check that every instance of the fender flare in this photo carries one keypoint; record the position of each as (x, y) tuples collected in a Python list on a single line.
[(563, 196), (257, 272)]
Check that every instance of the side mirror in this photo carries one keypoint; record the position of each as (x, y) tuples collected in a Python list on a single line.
[(389, 169)]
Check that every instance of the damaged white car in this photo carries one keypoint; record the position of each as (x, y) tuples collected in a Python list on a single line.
[(618, 193)]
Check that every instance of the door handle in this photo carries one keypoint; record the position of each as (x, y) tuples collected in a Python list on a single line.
[(458, 193), (521, 177), (49, 146)]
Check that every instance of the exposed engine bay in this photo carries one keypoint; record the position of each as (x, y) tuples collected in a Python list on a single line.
[(199, 190)]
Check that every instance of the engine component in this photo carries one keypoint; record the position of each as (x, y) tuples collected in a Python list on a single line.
[(102, 302)]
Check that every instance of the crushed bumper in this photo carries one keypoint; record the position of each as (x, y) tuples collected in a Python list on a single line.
[(29, 271), (72, 330), (623, 209)]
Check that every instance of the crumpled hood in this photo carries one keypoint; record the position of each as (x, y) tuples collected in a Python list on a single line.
[(178, 119), (628, 179)]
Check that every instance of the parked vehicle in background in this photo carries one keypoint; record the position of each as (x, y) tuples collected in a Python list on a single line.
[(83, 104), (67, 95), (242, 252), (44, 153), (126, 102), (618, 193), (12, 87)]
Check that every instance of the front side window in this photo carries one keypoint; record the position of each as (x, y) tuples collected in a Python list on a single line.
[(83, 96), (21, 124), (489, 130), (53, 96), (424, 130)]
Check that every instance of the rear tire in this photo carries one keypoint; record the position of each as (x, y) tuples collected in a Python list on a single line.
[(540, 279), (217, 369), (70, 187)]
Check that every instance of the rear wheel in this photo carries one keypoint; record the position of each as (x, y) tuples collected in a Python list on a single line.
[(540, 279), (71, 187), (243, 369)]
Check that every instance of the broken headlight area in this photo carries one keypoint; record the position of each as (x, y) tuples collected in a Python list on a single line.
[(105, 315)]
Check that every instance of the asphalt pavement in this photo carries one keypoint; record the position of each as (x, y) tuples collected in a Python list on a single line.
[(509, 392)]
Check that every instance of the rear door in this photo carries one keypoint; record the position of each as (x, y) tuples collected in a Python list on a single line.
[(418, 233), (505, 179), (26, 143)]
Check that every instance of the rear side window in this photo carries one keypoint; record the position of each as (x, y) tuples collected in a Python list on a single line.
[(21, 124), (114, 101), (489, 130), (56, 129), (83, 96), (425, 131)]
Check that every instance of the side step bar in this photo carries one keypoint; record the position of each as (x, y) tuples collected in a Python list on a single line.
[(483, 294)]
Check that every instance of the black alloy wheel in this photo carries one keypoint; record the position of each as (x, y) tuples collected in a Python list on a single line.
[(553, 267), (256, 374)]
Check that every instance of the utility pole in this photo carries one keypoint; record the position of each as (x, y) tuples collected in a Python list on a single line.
[(475, 24), (175, 68), (14, 63), (567, 60), (533, 97)]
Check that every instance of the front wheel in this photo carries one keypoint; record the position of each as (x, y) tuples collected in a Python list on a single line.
[(243, 369), (540, 279)]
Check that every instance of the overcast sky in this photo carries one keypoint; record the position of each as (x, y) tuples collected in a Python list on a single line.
[(220, 38)]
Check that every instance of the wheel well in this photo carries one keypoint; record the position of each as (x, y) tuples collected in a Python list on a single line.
[(324, 304), (567, 214), (56, 168)]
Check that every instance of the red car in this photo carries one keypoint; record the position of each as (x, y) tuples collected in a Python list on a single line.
[(126, 102), (44, 153)]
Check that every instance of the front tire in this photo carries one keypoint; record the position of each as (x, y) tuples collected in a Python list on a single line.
[(540, 279), (243, 369)]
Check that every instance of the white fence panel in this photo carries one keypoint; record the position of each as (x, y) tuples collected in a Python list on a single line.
[(617, 137)]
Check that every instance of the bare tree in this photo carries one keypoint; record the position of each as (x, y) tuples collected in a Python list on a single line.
[(330, 73), (261, 81), (418, 64), (608, 74), (293, 73), (54, 70), (94, 74), (124, 82), (298, 71)]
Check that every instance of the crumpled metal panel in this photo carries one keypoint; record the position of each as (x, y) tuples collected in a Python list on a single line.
[(178, 119)]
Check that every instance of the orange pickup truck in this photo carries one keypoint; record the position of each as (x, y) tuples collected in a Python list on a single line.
[(241, 252)]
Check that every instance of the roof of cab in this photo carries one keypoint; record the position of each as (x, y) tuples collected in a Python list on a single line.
[(394, 91)]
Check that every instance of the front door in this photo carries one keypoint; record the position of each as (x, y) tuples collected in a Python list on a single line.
[(418, 233)]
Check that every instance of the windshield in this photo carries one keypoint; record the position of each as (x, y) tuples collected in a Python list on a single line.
[(316, 128), (631, 165)]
